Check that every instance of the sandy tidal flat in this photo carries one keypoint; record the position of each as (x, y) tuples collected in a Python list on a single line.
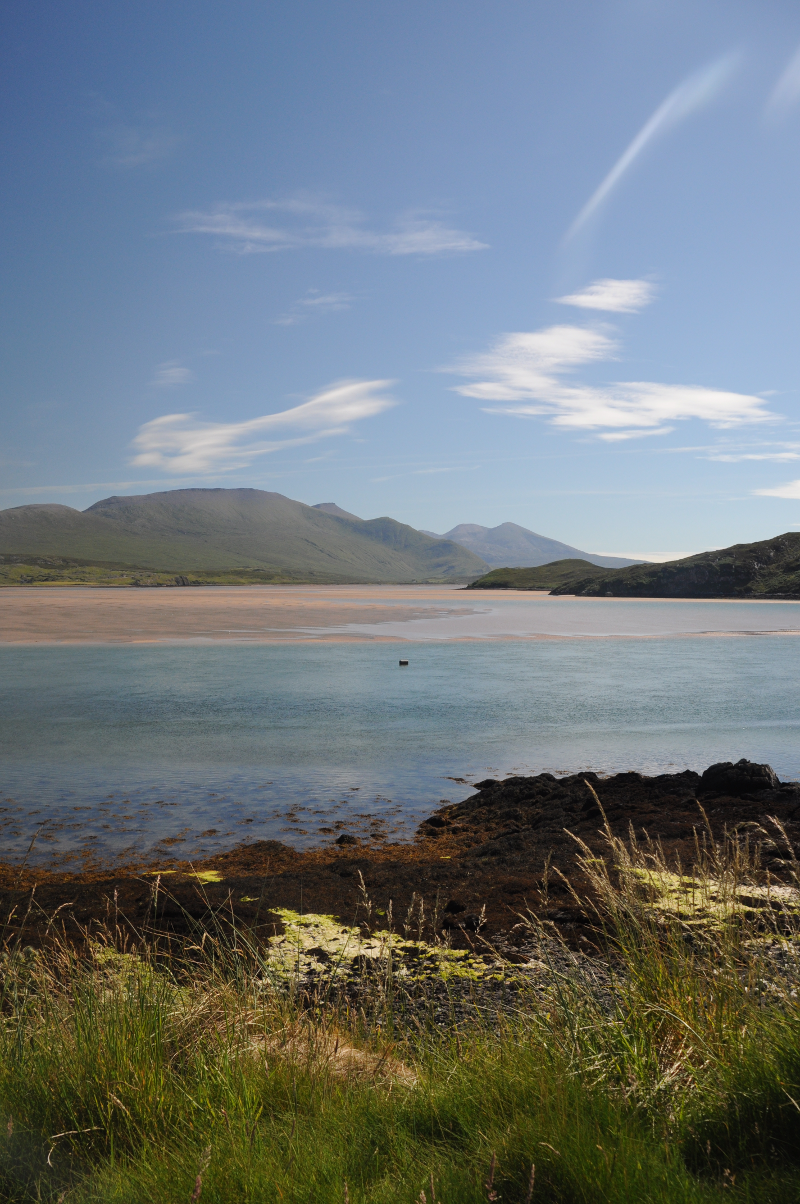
[(365, 614), (268, 614)]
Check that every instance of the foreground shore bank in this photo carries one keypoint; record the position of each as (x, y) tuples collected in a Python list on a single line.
[(211, 1031), (474, 865)]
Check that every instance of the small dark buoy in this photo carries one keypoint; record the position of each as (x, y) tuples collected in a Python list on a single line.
[(404, 662)]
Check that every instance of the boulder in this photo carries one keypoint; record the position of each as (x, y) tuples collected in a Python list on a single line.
[(743, 777)]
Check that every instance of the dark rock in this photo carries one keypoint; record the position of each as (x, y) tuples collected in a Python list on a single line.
[(174, 909), (744, 777), (469, 923), (345, 838), (486, 783), (677, 783)]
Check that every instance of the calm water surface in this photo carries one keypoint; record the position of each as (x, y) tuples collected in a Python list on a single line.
[(121, 748)]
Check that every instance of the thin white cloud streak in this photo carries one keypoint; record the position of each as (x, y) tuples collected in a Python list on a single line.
[(790, 490), (242, 228), (181, 443), (691, 95), (729, 453), (621, 436), (326, 301), (170, 374), (775, 457), (786, 92), (526, 370), (613, 296)]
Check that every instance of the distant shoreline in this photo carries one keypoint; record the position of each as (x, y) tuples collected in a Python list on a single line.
[(347, 614)]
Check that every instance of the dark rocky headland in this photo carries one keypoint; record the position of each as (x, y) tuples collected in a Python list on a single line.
[(768, 569)]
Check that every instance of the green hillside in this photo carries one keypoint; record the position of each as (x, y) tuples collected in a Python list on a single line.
[(544, 576), (768, 569), (220, 530)]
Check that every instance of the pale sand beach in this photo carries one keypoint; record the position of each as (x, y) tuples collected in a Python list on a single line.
[(364, 613), (271, 614)]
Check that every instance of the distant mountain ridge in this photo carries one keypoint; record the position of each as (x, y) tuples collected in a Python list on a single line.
[(512, 546), (332, 508), (769, 568), (180, 530)]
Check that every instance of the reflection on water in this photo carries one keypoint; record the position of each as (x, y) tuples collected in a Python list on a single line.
[(124, 748)]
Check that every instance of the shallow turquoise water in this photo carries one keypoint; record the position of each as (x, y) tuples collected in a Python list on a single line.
[(184, 739)]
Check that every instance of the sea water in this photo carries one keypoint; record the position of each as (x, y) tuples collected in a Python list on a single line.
[(115, 750)]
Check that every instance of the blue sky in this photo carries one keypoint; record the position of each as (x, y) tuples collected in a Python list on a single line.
[(450, 262)]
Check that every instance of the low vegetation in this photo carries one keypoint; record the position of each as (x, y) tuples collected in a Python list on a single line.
[(542, 577), (144, 1071), (56, 570)]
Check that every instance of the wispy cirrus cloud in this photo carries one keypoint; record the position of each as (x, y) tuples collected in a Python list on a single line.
[(613, 296), (183, 443), (694, 93), (791, 490), (786, 93), (737, 457), (529, 372), (258, 227), (171, 373)]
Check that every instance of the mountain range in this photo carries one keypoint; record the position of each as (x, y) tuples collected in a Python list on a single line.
[(248, 535), (512, 546), (185, 530), (247, 531)]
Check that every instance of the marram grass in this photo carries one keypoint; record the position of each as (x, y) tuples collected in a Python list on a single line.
[(153, 1075)]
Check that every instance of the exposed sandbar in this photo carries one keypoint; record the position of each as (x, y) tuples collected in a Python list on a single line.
[(268, 614)]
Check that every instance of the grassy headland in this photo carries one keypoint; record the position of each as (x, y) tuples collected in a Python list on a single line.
[(543, 577), (767, 569)]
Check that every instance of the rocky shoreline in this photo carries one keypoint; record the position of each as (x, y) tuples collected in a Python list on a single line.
[(474, 866)]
